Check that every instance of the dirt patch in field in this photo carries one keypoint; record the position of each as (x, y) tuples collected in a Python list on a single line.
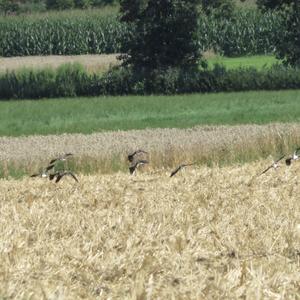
[(207, 233), (93, 63)]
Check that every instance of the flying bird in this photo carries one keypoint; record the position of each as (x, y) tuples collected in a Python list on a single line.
[(273, 165), (133, 168), (295, 156), (60, 158), (59, 175), (44, 172), (132, 155), (179, 168)]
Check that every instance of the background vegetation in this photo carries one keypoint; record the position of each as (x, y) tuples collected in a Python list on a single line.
[(87, 115), (82, 32)]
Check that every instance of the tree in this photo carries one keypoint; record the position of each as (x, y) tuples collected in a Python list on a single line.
[(288, 47), (9, 6), (219, 8), (272, 4), (164, 34)]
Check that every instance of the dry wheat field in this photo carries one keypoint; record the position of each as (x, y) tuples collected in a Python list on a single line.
[(91, 62), (105, 152), (208, 233)]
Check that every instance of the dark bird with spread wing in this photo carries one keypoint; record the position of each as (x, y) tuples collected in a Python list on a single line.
[(132, 155), (134, 167), (179, 168), (44, 172), (274, 165), (59, 175), (60, 158)]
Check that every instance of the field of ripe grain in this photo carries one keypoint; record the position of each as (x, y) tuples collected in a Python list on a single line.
[(106, 152), (208, 233), (102, 62), (93, 63)]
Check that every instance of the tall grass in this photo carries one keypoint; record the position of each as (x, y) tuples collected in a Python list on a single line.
[(107, 152)]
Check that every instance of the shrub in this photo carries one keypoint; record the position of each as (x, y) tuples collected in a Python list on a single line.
[(60, 4), (72, 80), (82, 3), (288, 45), (218, 8), (272, 4)]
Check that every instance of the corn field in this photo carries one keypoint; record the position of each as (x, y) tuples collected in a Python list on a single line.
[(248, 32), (67, 36)]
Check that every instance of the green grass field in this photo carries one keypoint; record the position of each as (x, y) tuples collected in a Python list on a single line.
[(87, 115), (259, 61)]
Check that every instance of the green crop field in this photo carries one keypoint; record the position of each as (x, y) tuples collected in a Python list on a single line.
[(258, 61), (86, 115)]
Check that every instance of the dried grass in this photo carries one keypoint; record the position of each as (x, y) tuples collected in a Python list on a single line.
[(106, 152), (93, 63), (208, 233)]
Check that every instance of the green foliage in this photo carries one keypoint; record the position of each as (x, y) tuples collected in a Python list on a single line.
[(272, 4), (97, 32), (218, 8), (288, 47), (9, 6), (60, 4), (164, 34), (73, 80), (82, 3), (62, 35)]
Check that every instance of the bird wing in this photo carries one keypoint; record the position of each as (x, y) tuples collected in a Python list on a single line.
[(131, 156), (141, 151), (53, 161), (51, 176), (67, 154), (278, 160), (72, 175), (50, 167), (175, 171), (142, 162), (58, 177), (132, 169), (266, 170)]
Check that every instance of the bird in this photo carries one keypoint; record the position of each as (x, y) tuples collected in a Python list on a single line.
[(273, 165), (132, 155), (44, 173), (295, 156), (60, 158), (179, 168), (133, 167), (60, 174)]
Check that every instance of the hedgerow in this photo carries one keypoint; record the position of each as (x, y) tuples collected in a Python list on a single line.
[(72, 80)]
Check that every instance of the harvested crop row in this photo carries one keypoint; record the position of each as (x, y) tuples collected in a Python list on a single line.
[(207, 233), (106, 152)]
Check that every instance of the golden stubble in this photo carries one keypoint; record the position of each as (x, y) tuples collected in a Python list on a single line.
[(207, 233)]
